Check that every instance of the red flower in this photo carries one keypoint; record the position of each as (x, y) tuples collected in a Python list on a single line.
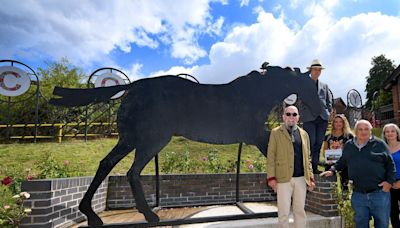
[(29, 177), (7, 181)]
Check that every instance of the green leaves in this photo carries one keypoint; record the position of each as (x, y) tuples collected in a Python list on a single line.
[(48, 167), (12, 209), (380, 71), (343, 200)]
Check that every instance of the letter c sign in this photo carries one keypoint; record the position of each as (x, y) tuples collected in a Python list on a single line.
[(110, 79), (13, 81)]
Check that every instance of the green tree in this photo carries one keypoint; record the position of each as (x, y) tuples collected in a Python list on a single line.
[(22, 109), (381, 69), (62, 74)]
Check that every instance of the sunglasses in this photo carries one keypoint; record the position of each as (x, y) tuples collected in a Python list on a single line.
[(291, 114)]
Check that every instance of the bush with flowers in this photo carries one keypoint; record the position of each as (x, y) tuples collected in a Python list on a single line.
[(210, 163), (213, 163), (49, 167), (12, 209), (258, 165)]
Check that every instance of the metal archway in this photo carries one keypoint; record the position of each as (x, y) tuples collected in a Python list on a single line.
[(34, 95), (109, 75), (354, 106)]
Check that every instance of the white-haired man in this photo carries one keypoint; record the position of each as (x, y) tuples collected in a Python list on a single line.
[(372, 170)]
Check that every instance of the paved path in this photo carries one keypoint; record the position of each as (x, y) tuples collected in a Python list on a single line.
[(123, 216)]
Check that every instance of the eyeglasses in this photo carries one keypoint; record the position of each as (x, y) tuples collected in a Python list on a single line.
[(291, 114)]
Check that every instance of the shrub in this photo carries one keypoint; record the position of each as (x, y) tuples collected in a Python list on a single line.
[(213, 162), (343, 200), (14, 177), (48, 167), (258, 165), (12, 209), (182, 163)]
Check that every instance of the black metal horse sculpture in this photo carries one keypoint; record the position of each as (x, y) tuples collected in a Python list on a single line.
[(155, 109)]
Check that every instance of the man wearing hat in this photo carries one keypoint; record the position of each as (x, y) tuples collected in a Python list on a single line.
[(316, 129), (264, 68)]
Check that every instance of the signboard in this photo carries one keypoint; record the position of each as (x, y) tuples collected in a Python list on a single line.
[(110, 79), (331, 156), (13, 81)]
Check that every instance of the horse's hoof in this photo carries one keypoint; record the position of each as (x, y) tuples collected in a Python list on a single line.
[(152, 217), (93, 219)]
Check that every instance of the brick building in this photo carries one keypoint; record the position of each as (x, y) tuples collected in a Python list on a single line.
[(392, 83)]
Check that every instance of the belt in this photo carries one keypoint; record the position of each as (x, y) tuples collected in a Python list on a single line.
[(368, 191)]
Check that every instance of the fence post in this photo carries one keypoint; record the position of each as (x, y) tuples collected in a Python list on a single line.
[(60, 126)]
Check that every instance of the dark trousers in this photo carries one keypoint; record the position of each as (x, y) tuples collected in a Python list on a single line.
[(394, 207), (316, 130)]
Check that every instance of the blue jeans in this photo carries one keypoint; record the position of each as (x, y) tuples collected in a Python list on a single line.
[(316, 130), (375, 204)]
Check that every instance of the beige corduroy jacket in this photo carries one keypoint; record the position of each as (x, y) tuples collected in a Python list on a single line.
[(280, 157)]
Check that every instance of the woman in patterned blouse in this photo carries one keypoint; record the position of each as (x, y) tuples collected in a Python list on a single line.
[(336, 139)]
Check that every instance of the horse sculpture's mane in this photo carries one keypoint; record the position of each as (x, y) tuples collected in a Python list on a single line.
[(155, 109)]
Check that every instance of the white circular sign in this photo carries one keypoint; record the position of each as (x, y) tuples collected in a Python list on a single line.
[(110, 79), (354, 99), (291, 99), (13, 81)]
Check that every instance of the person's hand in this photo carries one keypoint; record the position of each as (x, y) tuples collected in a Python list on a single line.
[(385, 186), (272, 184), (311, 186), (326, 174), (396, 185)]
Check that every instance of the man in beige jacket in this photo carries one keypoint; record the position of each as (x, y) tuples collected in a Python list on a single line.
[(289, 169)]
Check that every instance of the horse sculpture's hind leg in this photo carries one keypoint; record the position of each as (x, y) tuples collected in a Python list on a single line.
[(106, 165), (143, 155)]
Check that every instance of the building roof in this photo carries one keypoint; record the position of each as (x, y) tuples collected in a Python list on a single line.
[(339, 100), (392, 79)]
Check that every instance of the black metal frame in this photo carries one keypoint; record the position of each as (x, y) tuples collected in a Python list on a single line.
[(348, 99), (352, 110), (172, 222), (36, 94), (110, 103)]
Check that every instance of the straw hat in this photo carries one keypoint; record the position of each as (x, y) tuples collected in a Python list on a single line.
[(264, 65), (316, 64)]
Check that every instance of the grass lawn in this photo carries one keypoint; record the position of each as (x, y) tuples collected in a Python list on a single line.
[(85, 156)]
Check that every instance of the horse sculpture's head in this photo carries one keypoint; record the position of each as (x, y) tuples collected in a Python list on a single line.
[(280, 83)]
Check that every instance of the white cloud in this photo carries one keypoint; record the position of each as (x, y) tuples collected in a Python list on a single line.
[(88, 31), (294, 3), (134, 72), (244, 3), (344, 46)]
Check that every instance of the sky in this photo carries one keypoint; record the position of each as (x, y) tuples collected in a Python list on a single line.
[(213, 40)]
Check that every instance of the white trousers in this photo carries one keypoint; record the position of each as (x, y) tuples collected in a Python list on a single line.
[(296, 188)]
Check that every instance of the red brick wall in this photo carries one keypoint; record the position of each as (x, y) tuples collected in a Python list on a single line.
[(395, 94)]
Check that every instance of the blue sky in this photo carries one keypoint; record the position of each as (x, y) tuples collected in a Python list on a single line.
[(215, 41)]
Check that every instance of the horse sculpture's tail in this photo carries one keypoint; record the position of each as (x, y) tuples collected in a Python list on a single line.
[(80, 97)]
